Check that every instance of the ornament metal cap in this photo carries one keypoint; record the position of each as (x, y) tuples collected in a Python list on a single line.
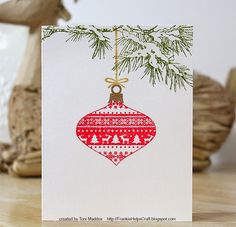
[(116, 96)]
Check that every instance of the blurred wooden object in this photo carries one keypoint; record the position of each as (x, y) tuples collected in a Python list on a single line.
[(213, 118), (24, 157), (231, 84), (4, 157), (33, 13), (27, 164)]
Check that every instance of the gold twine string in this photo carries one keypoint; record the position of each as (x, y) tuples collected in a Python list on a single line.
[(113, 82)]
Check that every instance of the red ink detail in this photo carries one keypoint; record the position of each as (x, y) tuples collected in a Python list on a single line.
[(116, 131)]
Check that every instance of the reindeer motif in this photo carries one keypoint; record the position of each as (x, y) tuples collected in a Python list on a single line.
[(124, 139), (106, 139), (84, 140), (147, 140)]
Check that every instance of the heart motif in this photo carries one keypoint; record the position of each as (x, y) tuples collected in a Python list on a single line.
[(116, 131)]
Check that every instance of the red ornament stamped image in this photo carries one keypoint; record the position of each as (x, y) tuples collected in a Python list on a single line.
[(116, 131)]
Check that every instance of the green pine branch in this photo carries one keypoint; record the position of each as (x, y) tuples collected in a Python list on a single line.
[(98, 41), (152, 49)]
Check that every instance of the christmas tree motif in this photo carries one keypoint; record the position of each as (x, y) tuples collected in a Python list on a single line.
[(94, 139), (136, 139), (115, 139)]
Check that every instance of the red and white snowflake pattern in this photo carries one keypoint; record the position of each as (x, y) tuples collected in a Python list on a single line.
[(116, 131)]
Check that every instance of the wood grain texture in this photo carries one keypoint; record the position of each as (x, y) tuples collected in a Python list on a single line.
[(214, 201)]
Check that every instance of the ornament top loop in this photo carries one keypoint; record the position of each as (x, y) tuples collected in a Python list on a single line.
[(114, 86), (116, 96)]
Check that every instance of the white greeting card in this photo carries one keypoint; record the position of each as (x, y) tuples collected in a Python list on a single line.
[(117, 123)]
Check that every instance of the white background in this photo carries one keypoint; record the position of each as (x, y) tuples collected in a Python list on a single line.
[(214, 36), (155, 181)]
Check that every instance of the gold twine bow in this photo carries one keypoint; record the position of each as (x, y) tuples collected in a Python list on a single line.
[(113, 82), (116, 81)]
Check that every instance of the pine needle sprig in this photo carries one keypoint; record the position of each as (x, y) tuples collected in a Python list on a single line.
[(50, 30), (154, 50), (177, 39), (178, 76), (98, 41)]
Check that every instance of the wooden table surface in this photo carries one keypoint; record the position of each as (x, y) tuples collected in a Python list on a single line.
[(214, 201)]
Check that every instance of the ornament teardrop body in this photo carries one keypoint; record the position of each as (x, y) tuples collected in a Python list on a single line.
[(116, 131)]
